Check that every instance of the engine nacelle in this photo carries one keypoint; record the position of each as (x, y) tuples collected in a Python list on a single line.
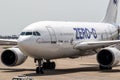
[(13, 57), (108, 57)]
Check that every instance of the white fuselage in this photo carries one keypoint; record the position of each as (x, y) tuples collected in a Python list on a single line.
[(57, 39)]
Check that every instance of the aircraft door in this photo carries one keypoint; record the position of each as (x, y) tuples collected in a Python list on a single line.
[(52, 35)]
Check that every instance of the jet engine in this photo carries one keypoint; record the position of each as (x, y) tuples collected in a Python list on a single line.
[(108, 57), (12, 57)]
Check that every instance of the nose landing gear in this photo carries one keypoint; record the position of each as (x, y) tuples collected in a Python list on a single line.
[(44, 65)]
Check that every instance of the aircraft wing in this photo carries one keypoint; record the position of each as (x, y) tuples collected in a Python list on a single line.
[(8, 41), (95, 44)]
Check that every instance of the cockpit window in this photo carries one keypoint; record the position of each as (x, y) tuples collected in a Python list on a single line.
[(23, 33), (31, 33), (28, 33), (36, 33)]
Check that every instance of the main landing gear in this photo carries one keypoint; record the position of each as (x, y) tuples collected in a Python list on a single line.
[(44, 65)]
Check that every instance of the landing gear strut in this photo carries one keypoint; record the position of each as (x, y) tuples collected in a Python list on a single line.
[(39, 69), (44, 65)]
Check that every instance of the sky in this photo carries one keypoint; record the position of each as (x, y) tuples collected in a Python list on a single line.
[(15, 15)]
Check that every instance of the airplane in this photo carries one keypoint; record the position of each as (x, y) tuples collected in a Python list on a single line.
[(48, 40)]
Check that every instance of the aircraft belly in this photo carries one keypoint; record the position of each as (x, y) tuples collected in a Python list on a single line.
[(51, 51)]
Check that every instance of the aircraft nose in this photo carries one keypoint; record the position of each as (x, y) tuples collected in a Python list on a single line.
[(23, 41)]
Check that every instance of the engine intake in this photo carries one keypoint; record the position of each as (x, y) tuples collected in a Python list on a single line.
[(13, 57), (108, 57)]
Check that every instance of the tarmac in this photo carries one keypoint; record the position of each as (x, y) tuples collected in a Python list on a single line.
[(83, 68)]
